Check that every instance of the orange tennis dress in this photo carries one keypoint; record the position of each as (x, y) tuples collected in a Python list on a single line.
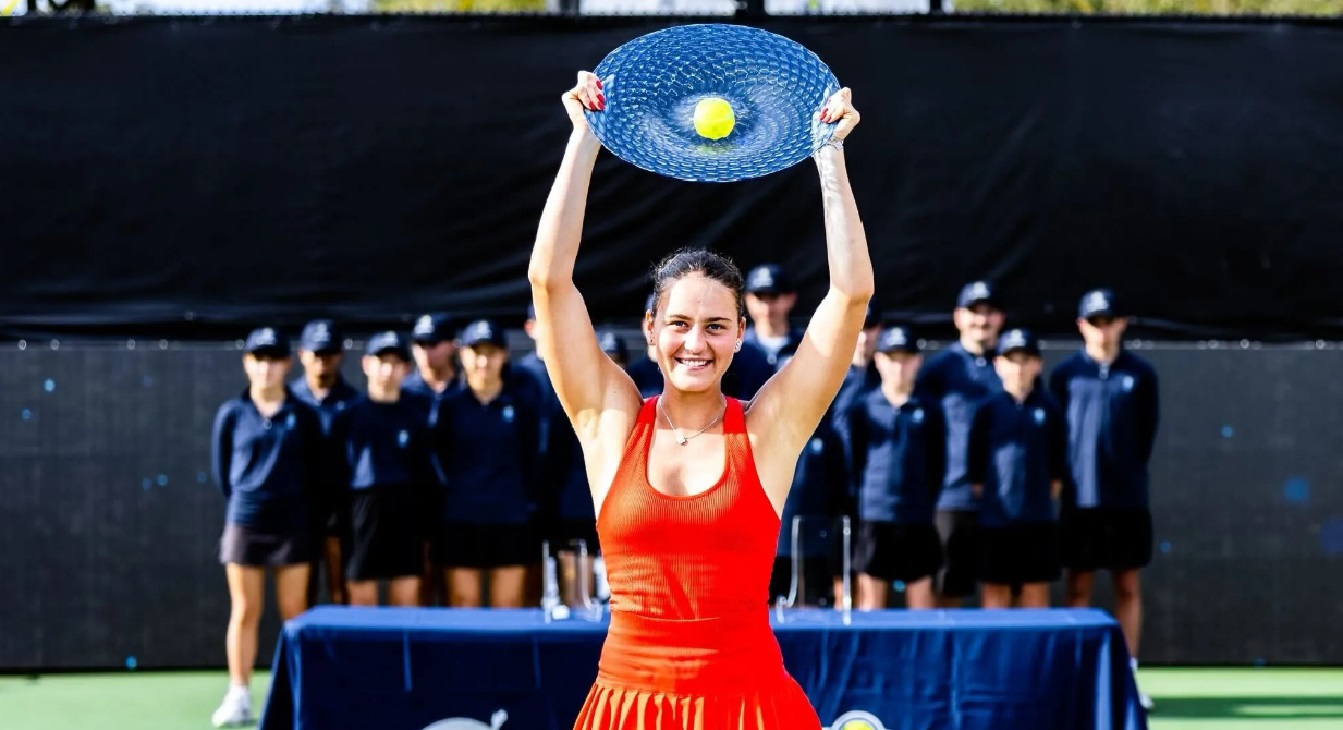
[(690, 645)]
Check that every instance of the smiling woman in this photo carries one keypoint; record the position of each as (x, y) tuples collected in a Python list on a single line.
[(688, 485), (698, 318)]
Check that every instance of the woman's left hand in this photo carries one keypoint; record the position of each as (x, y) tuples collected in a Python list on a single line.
[(840, 110)]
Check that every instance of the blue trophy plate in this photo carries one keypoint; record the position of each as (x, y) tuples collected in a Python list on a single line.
[(776, 87)]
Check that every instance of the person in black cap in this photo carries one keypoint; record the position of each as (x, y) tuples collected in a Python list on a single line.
[(1016, 462), (437, 374), (387, 465), (435, 350), (320, 351), (770, 297), (1111, 399), (488, 436), (960, 377), (268, 459), (896, 445)]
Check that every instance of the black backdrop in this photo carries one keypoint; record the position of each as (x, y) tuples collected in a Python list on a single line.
[(189, 176), (110, 530)]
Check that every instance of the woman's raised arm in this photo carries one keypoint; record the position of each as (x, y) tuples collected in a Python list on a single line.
[(787, 410), (585, 379)]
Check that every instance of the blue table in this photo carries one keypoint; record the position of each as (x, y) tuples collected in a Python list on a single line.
[(405, 669)]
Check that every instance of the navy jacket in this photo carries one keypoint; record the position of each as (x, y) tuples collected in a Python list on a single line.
[(785, 353), (270, 469), (1016, 450), (1113, 414), (489, 456), (857, 382), (564, 481), (647, 377), (819, 476), (959, 381), (426, 398), (817, 493), (384, 445), (896, 457), (337, 398)]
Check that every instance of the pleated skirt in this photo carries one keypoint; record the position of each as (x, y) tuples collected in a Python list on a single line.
[(703, 674)]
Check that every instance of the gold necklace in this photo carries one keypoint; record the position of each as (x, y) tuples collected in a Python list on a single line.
[(684, 439)]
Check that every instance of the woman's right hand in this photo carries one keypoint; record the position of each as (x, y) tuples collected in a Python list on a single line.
[(585, 96)]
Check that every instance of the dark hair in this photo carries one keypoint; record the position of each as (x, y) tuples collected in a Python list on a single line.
[(710, 265)]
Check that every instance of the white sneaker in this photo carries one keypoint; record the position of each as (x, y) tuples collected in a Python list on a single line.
[(235, 710), (1143, 699)]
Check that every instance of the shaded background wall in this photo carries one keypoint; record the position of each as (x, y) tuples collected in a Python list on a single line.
[(111, 529), (183, 177)]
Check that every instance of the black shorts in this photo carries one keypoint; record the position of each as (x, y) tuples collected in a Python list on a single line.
[(256, 548), (337, 519), (1020, 553), (816, 584), (958, 532), (1106, 539), (563, 533), (895, 551), (484, 546), (384, 539)]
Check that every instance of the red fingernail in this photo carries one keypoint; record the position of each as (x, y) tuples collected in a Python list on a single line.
[(601, 101), (599, 83)]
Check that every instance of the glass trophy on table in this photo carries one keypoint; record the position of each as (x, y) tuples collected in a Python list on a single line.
[(819, 554)]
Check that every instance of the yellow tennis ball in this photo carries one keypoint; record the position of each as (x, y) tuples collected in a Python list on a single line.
[(714, 118)]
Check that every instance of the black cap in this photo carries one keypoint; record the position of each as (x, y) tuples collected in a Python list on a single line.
[(898, 339), (976, 292), (611, 344), (388, 343), (321, 336), (266, 341), (768, 279), (433, 328), (1098, 303), (482, 331), (1018, 340)]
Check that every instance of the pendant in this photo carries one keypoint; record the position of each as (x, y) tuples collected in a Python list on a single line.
[(681, 439)]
